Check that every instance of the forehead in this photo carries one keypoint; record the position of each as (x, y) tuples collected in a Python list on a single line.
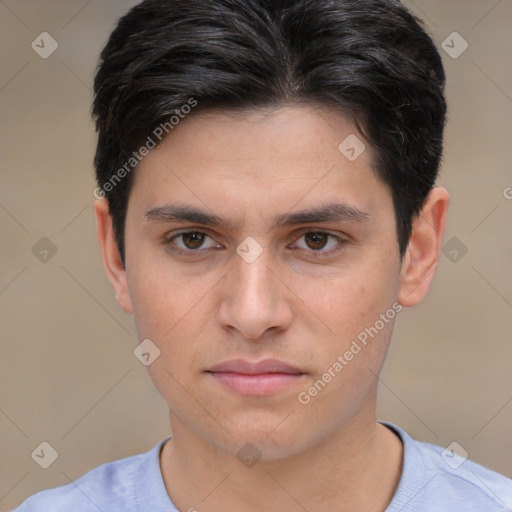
[(267, 161), (277, 133)]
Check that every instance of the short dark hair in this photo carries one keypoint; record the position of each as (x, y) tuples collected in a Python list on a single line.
[(371, 59)]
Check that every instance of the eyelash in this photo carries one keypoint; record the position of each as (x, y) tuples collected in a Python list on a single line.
[(169, 241)]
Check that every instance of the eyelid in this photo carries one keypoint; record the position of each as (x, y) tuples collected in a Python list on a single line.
[(302, 231)]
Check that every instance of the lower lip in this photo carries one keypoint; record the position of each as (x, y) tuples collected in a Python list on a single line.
[(256, 385)]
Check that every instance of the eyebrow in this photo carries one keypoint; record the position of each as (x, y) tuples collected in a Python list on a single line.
[(333, 212)]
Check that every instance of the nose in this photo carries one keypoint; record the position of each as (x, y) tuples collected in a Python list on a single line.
[(254, 300)]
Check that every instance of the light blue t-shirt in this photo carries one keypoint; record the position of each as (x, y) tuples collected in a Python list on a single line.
[(432, 480)]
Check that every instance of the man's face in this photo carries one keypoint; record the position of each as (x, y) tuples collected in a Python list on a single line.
[(286, 293)]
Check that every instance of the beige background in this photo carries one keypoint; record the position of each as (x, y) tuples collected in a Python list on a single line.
[(68, 373)]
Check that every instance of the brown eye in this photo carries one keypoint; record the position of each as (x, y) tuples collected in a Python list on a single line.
[(193, 240), (316, 240)]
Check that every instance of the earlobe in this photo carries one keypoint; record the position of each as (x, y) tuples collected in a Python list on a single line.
[(112, 263), (424, 249)]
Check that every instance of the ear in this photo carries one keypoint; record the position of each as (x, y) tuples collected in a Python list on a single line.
[(422, 255), (112, 263)]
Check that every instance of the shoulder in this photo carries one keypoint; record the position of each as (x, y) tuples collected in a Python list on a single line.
[(110, 486), (439, 479)]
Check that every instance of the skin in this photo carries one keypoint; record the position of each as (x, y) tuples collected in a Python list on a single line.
[(201, 310)]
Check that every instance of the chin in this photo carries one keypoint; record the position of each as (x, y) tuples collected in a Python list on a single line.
[(269, 441)]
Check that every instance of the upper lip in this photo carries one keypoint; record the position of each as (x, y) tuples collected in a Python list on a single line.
[(254, 368)]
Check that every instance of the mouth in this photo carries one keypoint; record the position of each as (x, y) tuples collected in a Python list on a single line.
[(256, 378)]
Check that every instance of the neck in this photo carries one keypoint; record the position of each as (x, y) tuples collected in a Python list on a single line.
[(358, 467)]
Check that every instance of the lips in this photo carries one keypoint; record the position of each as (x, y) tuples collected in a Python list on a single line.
[(256, 378), (255, 368)]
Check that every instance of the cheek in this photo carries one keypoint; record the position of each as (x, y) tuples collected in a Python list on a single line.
[(350, 304), (159, 292), (152, 306), (169, 309), (347, 302)]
